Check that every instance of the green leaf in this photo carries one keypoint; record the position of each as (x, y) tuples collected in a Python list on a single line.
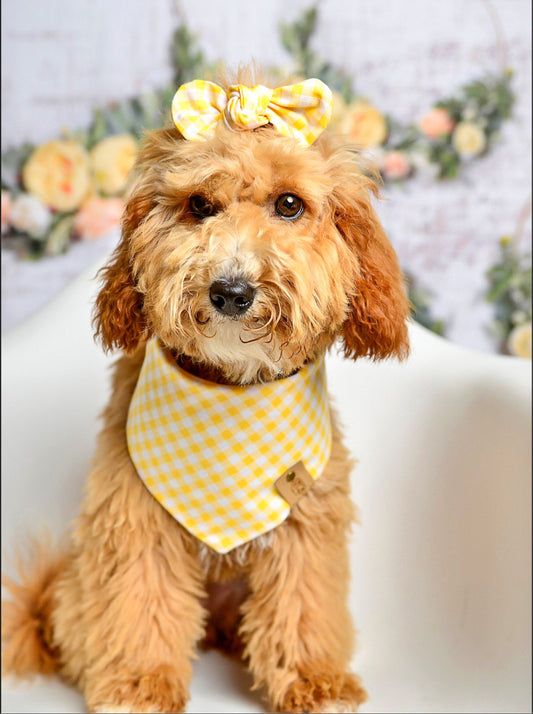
[(296, 36), (58, 238), (12, 162), (186, 56), (420, 306)]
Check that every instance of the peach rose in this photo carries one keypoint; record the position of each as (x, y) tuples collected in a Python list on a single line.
[(58, 173), (364, 124), (396, 165), (468, 139), (98, 216), (437, 123), (7, 204), (111, 162)]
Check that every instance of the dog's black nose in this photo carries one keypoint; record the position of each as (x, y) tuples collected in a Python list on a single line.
[(231, 297)]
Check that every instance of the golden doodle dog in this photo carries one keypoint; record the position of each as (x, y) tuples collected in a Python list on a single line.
[(218, 506)]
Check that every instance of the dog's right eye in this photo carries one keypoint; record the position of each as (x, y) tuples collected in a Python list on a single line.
[(202, 207), (289, 206)]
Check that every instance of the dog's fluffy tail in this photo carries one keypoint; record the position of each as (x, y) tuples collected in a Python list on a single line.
[(27, 645)]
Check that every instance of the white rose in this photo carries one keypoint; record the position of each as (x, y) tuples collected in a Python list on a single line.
[(30, 215)]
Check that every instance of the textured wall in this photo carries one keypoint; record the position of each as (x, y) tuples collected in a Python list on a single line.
[(62, 58)]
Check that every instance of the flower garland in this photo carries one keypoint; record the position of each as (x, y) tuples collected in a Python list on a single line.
[(73, 188)]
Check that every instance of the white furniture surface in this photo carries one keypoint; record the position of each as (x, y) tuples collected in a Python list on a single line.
[(441, 563)]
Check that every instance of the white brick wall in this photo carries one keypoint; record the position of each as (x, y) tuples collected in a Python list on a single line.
[(62, 58)]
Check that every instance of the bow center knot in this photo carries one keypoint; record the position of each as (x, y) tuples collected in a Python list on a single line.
[(247, 107)]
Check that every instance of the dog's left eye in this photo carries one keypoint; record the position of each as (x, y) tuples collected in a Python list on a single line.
[(289, 206), (202, 207)]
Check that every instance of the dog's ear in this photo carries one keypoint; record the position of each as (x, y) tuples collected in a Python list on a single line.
[(376, 325), (118, 316)]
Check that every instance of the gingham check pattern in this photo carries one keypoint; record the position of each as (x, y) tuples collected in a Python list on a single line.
[(210, 453), (298, 110)]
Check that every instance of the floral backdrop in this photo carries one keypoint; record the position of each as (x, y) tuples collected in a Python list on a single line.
[(72, 188)]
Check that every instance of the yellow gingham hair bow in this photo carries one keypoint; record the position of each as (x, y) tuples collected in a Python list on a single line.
[(299, 110)]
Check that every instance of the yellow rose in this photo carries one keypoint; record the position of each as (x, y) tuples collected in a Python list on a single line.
[(58, 173), (111, 162), (364, 125), (468, 138), (519, 341)]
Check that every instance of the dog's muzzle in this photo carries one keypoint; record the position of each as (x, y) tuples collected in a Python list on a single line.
[(231, 297)]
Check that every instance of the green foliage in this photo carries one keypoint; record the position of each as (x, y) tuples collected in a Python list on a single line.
[(58, 238), (186, 57), (509, 289), (420, 306), (151, 109), (296, 39), (12, 162)]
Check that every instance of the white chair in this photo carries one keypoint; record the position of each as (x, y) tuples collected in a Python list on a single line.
[(441, 564)]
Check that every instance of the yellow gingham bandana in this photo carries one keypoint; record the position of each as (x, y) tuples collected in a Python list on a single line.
[(210, 453), (298, 110)]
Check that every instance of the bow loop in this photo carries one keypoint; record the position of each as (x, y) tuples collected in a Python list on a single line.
[(301, 111)]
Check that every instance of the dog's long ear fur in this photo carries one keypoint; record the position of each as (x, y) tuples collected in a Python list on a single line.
[(118, 316), (118, 311), (376, 326)]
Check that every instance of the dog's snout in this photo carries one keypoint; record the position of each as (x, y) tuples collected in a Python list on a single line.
[(231, 297)]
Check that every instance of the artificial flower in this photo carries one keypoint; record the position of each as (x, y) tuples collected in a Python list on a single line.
[(111, 162), (30, 215), (437, 123), (519, 341), (7, 205), (98, 216), (468, 139), (396, 165), (58, 173), (364, 124)]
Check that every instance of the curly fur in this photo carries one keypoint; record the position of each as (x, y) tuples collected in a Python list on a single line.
[(122, 611)]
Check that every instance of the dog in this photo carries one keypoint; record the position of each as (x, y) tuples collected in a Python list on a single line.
[(246, 254)]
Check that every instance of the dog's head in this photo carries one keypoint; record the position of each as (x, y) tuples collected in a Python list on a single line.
[(251, 254)]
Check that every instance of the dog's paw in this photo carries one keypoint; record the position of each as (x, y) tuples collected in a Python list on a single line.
[(157, 692), (324, 692)]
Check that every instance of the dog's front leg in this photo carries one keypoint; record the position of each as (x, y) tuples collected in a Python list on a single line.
[(128, 613), (296, 625)]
